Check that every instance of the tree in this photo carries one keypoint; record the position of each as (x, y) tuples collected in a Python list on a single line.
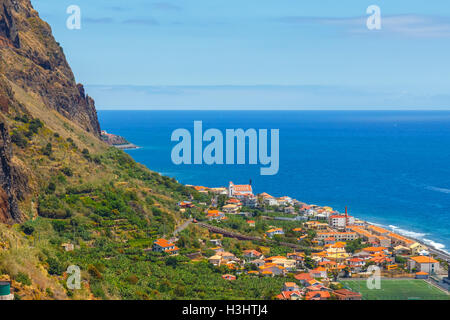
[(47, 151)]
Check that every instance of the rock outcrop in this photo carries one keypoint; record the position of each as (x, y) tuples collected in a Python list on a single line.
[(32, 59), (10, 189)]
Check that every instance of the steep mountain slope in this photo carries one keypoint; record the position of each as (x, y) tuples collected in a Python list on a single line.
[(34, 77), (34, 61), (59, 182)]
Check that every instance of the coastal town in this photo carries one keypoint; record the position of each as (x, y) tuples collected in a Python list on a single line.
[(319, 253)]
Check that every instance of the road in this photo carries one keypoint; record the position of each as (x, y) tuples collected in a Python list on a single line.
[(182, 227)]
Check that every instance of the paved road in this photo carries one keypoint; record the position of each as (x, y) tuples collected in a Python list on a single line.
[(182, 227), (439, 254)]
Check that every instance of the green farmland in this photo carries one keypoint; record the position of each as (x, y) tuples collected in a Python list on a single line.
[(397, 290)]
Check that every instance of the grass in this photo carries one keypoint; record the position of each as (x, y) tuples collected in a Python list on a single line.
[(398, 290)]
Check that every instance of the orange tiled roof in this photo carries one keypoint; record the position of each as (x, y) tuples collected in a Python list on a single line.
[(303, 276), (424, 259), (163, 243)]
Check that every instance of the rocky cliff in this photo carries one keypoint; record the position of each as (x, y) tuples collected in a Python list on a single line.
[(34, 75), (32, 59)]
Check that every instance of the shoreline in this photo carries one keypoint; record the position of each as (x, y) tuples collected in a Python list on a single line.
[(439, 252), (128, 146)]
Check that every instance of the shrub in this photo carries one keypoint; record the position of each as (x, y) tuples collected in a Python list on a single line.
[(35, 125), (51, 188), (67, 171), (47, 150), (23, 279), (132, 279), (19, 139), (54, 266), (27, 228)]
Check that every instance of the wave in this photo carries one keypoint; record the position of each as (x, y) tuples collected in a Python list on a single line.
[(437, 189), (407, 233), (434, 244)]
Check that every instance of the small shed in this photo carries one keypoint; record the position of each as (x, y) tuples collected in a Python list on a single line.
[(421, 275)]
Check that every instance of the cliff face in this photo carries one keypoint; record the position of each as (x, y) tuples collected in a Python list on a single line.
[(32, 59), (34, 73), (12, 184)]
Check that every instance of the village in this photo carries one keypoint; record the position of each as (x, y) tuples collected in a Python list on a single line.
[(316, 249)]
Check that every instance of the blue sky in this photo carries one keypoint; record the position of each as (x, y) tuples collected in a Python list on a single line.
[(257, 53)]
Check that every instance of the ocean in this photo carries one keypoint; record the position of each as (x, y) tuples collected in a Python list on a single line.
[(391, 168)]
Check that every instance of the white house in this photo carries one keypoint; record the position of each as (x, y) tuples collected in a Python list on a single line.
[(240, 189), (270, 233), (424, 264)]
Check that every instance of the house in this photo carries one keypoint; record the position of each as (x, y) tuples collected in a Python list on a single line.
[(162, 245), (215, 260), (340, 221), (378, 230), (290, 295), (249, 200), (216, 242), (258, 262), (186, 204), (289, 210), (252, 254), (303, 278), (356, 263), (319, 272), (344, 294), (317, 295), (267, 199), (231, 208), (424, 263), (229, 277), (201, 189), (251, 223), (226, 255), (291, 286), (399, 240), (401, 250), (273, 268), (234, 201), (270, 233), (68, 246), (416, 248), (288, 264), (298, 256), (215, 215), (241, 189)]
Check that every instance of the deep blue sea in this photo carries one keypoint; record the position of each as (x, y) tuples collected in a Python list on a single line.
[(389, 167)]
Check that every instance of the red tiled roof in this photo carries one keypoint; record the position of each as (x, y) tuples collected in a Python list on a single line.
[(163, 243)]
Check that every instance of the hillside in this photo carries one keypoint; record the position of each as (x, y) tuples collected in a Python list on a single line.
[(58, 180)]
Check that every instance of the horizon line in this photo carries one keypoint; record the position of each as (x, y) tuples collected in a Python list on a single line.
[(325, 108)]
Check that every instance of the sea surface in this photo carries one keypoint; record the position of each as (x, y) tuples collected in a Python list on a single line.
[(388, 167)]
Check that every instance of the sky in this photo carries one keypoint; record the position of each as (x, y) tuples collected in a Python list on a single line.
[(257, 54)]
